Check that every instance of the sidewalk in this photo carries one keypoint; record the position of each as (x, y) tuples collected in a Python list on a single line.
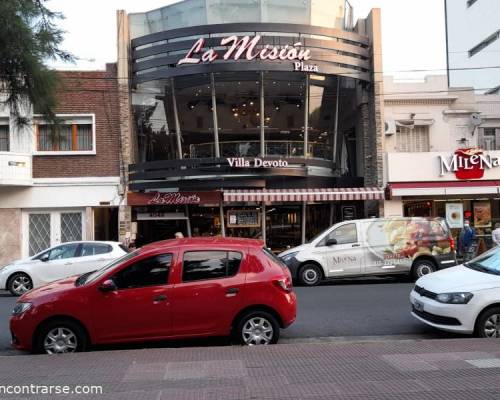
[(405, 369)]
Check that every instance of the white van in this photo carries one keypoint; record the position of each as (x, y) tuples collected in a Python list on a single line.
[(377, 246)]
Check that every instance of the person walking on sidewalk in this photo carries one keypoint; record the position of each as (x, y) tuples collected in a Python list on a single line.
[(495, 235), (466, 240)]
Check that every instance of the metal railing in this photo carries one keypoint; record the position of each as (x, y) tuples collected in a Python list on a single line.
[(273, 148)]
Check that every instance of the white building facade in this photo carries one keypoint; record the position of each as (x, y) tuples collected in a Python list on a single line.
[(442, 152), (473, 44)]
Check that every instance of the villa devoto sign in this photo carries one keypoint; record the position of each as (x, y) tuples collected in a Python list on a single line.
[(468, 163), (250, 48)]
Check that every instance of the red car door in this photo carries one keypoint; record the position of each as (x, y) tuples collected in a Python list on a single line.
[(139, 308), (208, 294)]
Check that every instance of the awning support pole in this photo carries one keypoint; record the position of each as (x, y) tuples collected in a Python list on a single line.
[(188, 221), (303, 224), (263, 223)]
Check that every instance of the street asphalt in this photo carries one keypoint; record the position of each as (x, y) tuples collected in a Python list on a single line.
[(340, 310)]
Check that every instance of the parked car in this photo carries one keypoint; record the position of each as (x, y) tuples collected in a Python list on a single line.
[(61, 261), (463, 299), (377, 246), (167, 290)]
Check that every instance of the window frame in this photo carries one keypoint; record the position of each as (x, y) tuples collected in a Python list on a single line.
[(68, 119), (242, 254)]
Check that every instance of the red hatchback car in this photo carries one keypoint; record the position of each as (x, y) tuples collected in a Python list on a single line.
[(166, 290)]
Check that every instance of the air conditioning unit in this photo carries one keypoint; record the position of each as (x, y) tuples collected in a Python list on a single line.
[(390, 127)]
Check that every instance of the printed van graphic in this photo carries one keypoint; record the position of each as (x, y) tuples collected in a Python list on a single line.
[(400, 241)]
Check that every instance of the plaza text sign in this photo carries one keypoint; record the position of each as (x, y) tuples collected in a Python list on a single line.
[(467, 163), (250, 48), (241, 162)]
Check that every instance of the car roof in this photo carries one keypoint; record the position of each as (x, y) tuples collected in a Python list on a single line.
[(84, 241), (204, 243)]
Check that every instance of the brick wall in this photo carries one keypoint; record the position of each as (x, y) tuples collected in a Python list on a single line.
[(87, 92)]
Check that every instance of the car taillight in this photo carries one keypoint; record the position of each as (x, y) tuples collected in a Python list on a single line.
[(284, 284), (452, 244)]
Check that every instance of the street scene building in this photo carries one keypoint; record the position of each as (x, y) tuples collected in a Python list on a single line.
[(431, 131), (259, 120), (63, 184)]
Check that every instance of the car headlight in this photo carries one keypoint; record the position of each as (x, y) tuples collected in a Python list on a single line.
[(454, 298), (289, 256), (21, 308)]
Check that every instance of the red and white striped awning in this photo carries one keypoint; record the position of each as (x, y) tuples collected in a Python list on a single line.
[(301, 195)]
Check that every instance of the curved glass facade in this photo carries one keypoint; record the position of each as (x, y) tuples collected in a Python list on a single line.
[(326, 13), (267, 114)]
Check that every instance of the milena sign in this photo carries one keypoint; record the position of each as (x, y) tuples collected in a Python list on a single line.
[(468, 163), (250, 49)]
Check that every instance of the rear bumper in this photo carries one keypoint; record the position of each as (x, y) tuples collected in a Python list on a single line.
[(288, 311)]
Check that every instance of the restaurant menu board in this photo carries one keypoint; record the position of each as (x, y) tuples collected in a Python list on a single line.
[(482, 214), (243, 218), (454, 215)]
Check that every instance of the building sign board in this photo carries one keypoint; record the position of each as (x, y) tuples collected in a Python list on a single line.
[(256, 162), (172, 198), (250, 48), (468, 163), (243, 218)]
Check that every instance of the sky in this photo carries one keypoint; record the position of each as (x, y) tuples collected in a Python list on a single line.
[(413, 32)]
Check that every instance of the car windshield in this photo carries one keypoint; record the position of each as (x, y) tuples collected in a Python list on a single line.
[(96, 274), (488, 262)]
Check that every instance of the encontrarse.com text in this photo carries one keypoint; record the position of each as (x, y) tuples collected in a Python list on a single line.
[(49, 389)]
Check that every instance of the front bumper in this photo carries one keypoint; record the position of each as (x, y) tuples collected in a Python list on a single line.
[(293, 265), (459, 318), (22, 328)]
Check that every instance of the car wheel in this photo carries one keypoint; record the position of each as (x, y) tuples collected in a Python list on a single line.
[(257, 328), (422, 267), (310, 275), (60, 336), (488, 324), (19, 283)]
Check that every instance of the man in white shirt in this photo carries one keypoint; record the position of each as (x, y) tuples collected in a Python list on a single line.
[(495, 235)]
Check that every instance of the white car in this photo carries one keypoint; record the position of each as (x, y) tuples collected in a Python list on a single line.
[(61, 261), (462, 299)]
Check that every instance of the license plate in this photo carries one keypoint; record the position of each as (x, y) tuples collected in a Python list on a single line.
[(418, 305)]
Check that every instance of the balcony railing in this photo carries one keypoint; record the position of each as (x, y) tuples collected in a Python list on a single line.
[(15, 169), (273, 148)]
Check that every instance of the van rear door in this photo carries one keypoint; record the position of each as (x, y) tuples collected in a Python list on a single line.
[(346, 257)]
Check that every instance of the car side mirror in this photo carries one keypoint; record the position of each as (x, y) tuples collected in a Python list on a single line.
[(108, 286), (331, 242), (44, 258)]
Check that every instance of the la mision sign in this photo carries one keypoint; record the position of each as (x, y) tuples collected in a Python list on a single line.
[(246, 48)]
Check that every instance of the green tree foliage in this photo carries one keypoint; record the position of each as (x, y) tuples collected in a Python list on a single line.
[(28, 38)]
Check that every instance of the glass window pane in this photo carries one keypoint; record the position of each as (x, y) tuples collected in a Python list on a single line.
[(62, 252), (230, 11), (84, 137), (284, 95), (39, 233), (152, 271), (345, 234), (45, 138), (194, 107), (4, 137), (71, 227), (201, 265), (92, 249), (238, 113)]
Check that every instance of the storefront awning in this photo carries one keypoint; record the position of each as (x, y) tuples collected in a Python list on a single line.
[(444, 188), (301, 195)]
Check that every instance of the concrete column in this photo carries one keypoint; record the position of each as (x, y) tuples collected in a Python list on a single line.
[(222, 224), (214, 114), (306, 117), (262, 118)]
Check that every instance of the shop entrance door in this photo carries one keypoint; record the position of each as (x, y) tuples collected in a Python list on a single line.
[(155, 226)]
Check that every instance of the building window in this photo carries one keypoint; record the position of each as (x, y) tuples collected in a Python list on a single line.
[(485, 43), (4, 138), (66, 137), (414, 139), (488, 140)]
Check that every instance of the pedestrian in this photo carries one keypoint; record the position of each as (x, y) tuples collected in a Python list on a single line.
[(495, 235), (179, 235), (466, 240)]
